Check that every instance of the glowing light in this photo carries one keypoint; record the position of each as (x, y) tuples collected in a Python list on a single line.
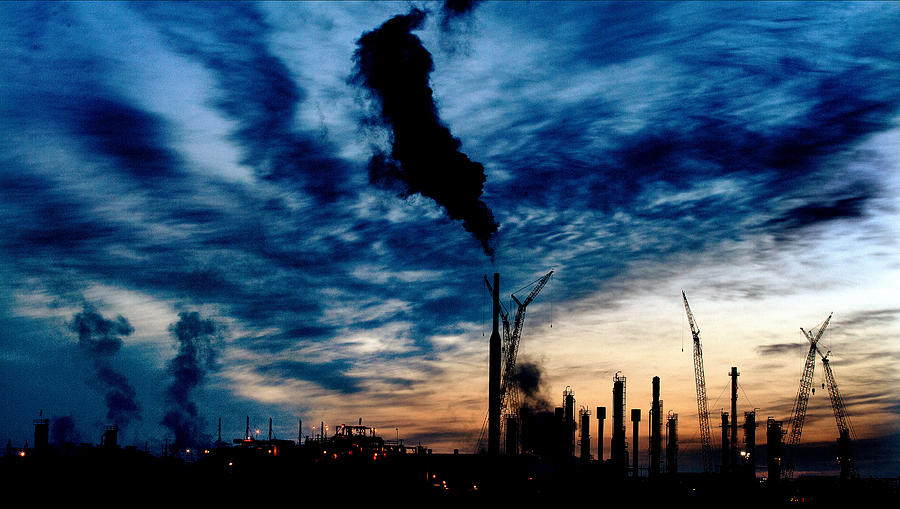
[(22, 453)]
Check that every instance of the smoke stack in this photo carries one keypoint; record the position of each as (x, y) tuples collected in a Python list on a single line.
[(585, 435), (672, 443), (569, 421), (733, 460), (601, 416), (655, 429), (635, 419), (774, 449), (617, 453), (41, 432), (494, 373), (726, 449)]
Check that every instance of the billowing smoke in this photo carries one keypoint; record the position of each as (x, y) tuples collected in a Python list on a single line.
[(452, 9), (529, 378), (100, 340), (196, 342), (62, 431), (394, 66)]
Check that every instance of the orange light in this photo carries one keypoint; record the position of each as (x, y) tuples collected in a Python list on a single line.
[(22, 453)]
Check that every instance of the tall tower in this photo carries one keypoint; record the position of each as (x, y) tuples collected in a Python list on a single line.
[(617, 448), (569, 421), (733, 459), (635, 421), (585, 435), (601, 416), (672, 443), (655, 429), (494, 374)]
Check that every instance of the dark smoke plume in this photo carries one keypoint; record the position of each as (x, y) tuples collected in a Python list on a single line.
[(196, 356), (63, 431), (452, 9), (394, 66), (100, 339), (529, 377)]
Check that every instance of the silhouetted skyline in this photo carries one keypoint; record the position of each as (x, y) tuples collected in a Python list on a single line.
[(238, 166)]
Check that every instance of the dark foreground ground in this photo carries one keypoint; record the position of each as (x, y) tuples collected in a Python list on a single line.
[(231, 477)]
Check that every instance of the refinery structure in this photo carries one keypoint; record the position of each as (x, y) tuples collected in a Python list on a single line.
[(522, 453)]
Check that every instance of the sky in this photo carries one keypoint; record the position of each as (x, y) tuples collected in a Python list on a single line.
[(287, 210)]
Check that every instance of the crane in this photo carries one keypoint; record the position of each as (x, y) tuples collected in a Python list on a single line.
[(509, 388), (700, 378), (845, 428), (798, 414)]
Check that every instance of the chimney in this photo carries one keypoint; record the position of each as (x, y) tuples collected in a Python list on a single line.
[(672, 443), (635, 419), (726, 449), (733, 460), (569, 424), (617, 448), (774, 449), (655, 429), (41, 432), (601, 416), (494, 374), (585, 435)]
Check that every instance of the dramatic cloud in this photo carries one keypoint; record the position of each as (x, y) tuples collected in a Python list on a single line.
[(100, 340), (196, 341), (215, 156), (425, 159)]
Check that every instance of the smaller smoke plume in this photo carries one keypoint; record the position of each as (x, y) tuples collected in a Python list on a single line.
[(529, 377), (62, 431), (196, 341), (394, 66), (452, 9), (100, 339)]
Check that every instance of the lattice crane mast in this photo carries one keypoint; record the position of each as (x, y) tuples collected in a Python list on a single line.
[(509, 389), (700, 379), (845, 428), (798, 414)]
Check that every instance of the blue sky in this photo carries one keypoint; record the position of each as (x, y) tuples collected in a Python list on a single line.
[(164, 158)]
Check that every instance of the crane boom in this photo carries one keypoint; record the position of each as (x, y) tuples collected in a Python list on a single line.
[(798, 414), (837, 402), (509, 389), (845, 428), (700, 379), (508, 386)]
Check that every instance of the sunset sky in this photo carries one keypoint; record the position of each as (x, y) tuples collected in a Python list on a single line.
[(236, 176)]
